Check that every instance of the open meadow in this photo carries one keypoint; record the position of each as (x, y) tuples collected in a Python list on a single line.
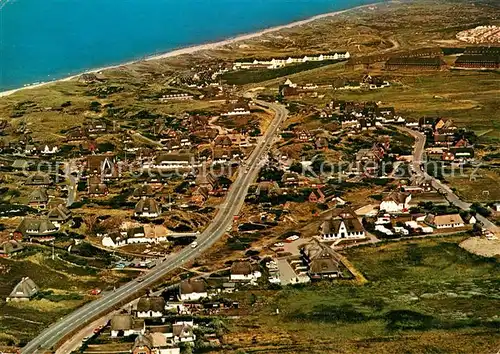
[(64, 286), (425, 296)]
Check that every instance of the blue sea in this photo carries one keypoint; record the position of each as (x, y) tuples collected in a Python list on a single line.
[(43, 40)]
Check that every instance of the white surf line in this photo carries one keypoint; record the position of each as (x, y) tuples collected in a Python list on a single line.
[(4, 3)]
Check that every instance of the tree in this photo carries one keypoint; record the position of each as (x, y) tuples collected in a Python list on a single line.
[(253, 299), (90, 223), (219, 326), (477, 230)]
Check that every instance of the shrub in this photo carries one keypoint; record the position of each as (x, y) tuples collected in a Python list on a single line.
[(410, 320)]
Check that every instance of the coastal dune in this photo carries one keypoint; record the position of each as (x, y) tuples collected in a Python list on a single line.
[(201, 47)]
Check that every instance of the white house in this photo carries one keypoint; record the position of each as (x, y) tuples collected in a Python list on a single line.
[(113, 240), (49, 150), (123, 325), (444, 221), (150, 307), (183, 332), (173, 161), (193, 290), (384, 230), (396, 203), (343, 225), (276, 63), (244, 271), (470, 219), (401, 230)]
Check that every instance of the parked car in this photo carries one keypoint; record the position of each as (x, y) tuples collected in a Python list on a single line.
[(95, 291)]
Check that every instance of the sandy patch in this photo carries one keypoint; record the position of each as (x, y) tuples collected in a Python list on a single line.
[(482, 246)]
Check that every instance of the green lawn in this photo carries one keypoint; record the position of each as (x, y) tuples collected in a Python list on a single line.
[(481, 185), (469, 98), (426, 296)]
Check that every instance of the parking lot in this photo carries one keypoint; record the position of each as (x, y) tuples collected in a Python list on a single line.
[(288, 275)]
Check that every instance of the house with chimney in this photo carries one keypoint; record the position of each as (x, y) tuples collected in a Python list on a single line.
[(343, 224)]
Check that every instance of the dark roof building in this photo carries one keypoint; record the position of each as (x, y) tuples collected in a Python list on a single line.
[(147, 207), (143, 344), (415, 63), (481, 61), (193, 289), (38, 179), (482, 50), (39, 198), (25, 290), (343, 224), (145, 190), (59, 214), (151, 304), (36, 227), (322, 261), (9, 247)]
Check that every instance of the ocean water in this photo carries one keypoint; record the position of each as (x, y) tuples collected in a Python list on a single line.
[(43, 40)]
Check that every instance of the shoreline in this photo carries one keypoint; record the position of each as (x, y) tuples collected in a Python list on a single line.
[(200, 47)]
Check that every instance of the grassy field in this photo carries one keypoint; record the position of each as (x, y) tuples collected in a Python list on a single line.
[(470, 99), (482, 185), (426, 296), (244, 77), (64, 287)]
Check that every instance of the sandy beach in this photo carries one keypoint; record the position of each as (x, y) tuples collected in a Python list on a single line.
[(201, 47)]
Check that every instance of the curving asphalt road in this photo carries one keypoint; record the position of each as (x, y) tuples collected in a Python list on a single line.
[(222, 221), (418, 161)]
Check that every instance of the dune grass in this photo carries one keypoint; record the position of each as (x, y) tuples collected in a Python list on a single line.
[(421, 296)]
